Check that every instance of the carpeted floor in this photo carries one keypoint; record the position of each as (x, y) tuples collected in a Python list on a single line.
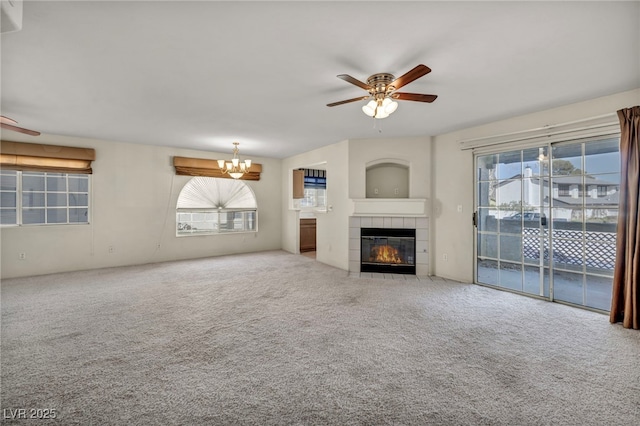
[(275, 338)]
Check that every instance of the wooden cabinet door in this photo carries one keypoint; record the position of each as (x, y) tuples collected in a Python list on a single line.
[(298, 184), (307, 235)]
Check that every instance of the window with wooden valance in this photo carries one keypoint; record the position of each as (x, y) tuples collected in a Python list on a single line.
[(45, 158), (186, 166)]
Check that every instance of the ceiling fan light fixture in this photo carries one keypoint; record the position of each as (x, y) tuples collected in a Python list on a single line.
[(370, 108), (380, 108), (389, 106), (381, 113)]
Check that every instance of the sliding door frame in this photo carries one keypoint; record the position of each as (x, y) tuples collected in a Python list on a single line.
[(546, 256)]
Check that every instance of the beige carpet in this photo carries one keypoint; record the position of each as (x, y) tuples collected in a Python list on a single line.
[(275, 338)]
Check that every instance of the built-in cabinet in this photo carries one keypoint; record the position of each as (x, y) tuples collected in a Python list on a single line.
[(307, 234), (298, 184)]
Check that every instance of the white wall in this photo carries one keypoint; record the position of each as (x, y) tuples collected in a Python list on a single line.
[(332, 227), (451, 231), (133, 198)]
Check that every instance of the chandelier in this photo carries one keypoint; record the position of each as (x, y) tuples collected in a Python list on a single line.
[(234, 167)]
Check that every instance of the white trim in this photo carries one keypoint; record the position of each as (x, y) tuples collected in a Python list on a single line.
[(398, 207), (391, 161)]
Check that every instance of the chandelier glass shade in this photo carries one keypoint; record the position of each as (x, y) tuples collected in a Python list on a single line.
[(380, 108), (234, 167)]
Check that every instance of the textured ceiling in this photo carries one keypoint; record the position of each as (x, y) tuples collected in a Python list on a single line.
[(203, 74)]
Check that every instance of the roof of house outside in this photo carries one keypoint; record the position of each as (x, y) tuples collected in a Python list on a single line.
[(566, 179), (608, 201)]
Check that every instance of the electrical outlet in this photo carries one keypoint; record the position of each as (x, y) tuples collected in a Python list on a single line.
[(22, 256), (445, 257), (111, 249)]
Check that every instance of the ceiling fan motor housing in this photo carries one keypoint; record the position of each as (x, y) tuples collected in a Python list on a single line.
[(379, 84)]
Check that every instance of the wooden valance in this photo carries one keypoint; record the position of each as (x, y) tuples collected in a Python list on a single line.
[(186, 166), (45, 158)]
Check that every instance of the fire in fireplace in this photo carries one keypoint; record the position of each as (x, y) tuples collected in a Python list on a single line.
[(388, 250), (385, 254)]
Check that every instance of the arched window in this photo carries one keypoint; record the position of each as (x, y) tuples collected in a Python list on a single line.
[(213, 206)]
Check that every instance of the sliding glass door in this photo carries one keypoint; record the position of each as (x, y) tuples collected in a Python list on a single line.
[(585, 185), (546, 219), (512, 220)]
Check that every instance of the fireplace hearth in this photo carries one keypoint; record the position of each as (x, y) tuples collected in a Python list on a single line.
[(386, 250)]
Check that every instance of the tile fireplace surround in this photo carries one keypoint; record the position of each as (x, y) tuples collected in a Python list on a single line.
[(420, 224)]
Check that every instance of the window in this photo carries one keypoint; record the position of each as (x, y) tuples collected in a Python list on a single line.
[(315, 189), (564, 190), (39, 198), (314, 197), (213, 206)]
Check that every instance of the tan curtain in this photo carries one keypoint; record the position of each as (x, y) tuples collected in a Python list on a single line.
[(186, 166), (45, 158), (625, 303)]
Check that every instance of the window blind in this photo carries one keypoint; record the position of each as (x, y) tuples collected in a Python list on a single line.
[(45, 158), (599, 126), (186, 166)]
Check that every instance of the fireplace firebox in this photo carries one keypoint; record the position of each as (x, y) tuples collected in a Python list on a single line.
[(387, 250)]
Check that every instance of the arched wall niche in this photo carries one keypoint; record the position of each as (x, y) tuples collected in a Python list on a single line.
[(387, 178)]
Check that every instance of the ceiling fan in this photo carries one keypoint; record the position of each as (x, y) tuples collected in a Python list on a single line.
[(9, 124), (382, 88)]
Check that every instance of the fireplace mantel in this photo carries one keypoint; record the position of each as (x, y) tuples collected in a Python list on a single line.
[(392, 207)]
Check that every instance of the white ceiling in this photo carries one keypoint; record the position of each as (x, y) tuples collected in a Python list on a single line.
[(203, 74)]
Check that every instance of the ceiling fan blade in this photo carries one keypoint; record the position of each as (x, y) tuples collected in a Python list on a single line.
[(407, 78), (361, 98), (355, 81), (18, 129), (414, 97), (7, 120)]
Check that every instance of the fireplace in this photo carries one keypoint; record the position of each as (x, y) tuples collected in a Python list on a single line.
[(387, 250)]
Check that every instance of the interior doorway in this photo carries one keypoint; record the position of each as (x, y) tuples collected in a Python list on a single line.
[(308, 237), (309, 196)]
